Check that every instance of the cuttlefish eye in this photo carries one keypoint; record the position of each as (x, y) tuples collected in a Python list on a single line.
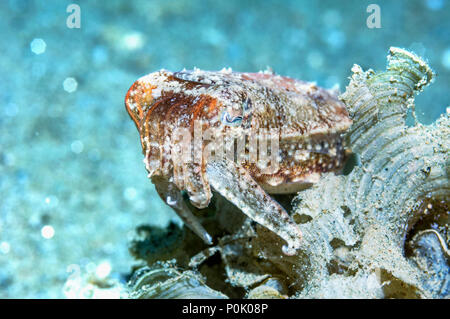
[(229, 120)]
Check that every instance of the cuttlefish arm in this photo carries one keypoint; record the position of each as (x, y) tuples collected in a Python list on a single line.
[(173, 197), (238, 186)]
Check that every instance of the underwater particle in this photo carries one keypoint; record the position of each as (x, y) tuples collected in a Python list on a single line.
[(434, 4), (9, 159), (89, 285), (332, 18), (99, 55), (77, 146), (130, 193), (11, 110), (48, 232), (445, 60), (213, 36), (51, 201), (335, 38), (315, 59), (70, 84), (103, 270), (133, 41), (38, 46), (4, 247)]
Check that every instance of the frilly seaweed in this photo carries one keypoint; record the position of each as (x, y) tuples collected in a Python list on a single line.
[(379, 231)]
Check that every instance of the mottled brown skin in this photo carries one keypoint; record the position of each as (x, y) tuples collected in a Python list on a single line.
[(308, 121)]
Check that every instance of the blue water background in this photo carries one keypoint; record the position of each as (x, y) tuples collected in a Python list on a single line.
[(72, 183)]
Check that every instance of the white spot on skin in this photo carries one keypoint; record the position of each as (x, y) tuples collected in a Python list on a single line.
[(156, 93), (301, 155), (332, 152)]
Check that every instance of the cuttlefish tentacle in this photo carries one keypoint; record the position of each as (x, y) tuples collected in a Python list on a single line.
[(172, 196), (235, 184)]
